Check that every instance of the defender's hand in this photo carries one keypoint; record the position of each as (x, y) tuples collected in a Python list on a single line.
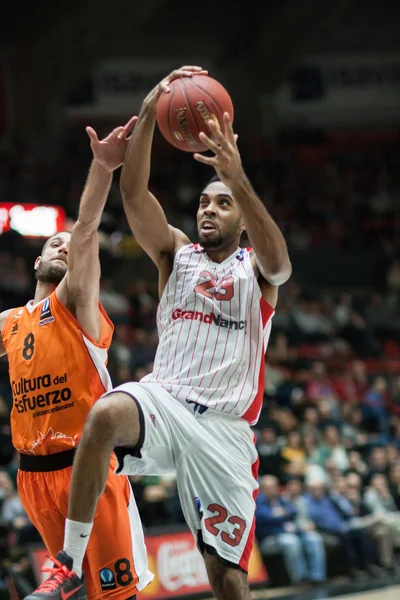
[(110, 151)]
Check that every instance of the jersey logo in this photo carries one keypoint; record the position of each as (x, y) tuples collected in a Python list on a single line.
[(220, 290), (240, 256), (209, 318), (153, 419), (50, 435), (45, 316), (14, 329)]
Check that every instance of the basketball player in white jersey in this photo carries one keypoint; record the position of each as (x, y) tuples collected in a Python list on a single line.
[(194, 412)]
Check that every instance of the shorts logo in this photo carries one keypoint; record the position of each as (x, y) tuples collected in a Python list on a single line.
[(45, 316), (198, 506), (107, 580)]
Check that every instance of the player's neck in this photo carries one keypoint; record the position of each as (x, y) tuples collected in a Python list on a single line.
[(43, 290), (218, 256)]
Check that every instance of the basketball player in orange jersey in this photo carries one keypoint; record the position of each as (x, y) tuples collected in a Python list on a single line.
[(57, 351), (194, 412)]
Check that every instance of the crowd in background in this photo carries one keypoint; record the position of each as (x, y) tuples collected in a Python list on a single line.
[(329, 433)]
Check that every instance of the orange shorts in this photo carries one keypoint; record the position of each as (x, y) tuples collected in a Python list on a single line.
[(115, 563)]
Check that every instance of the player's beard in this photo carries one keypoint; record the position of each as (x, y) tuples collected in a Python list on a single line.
[(213, 242), (50, 272), (219, 240)]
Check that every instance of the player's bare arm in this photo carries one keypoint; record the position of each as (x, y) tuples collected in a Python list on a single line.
[(79, 290), (3, 317), (271, 254), (145, 215)]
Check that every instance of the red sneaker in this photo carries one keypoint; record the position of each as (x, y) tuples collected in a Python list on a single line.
[(63, 583)]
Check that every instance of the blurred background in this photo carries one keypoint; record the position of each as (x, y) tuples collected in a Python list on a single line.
[(316, 89)]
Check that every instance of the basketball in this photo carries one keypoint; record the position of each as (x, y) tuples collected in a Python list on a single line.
[(187, 109)]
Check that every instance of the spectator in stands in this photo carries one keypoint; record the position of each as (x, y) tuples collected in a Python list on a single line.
[(13, 513), (333, 449), (141, 349), (311, 325), (276, 528), (378, 462), (395, 397), (392, 454), (334, 518), (115, 304), (374, 407), (373, 523), (119, 351), (379, 315), (395, 437), (6, 447), (352, 428), (394, 481), (379, 500), (356, 464), (271, 460), (293, 453)]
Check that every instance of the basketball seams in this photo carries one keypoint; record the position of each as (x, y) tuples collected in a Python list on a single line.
[(206, 93), (191, 111), (170, 109)]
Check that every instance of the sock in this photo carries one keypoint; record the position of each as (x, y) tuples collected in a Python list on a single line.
[(75, 542)]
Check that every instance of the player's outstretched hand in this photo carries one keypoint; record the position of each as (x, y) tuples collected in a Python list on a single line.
[(110, 151), (187, 71), (227, 161)]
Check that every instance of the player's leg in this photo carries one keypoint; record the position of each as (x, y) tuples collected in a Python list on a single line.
[(114, 420), (38, 502), (227, 582), (131, 420), (217, 487), (41, 494), (116, 551)]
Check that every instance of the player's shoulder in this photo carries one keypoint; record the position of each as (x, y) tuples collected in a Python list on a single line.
[(6, 313), (180, 239)]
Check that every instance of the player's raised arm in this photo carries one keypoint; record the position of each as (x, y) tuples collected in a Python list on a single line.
[(144, 213), (81, 286), (265, 236)]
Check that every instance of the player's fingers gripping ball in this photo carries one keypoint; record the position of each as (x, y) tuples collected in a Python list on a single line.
[(188, 108)]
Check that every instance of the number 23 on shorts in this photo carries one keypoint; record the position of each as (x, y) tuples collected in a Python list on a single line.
[(220, 516)]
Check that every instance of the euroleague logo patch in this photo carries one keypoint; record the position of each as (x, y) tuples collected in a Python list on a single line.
[(45, 316), (107, 580)]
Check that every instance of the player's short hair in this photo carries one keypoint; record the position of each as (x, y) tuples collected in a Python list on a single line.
[(213, 179)]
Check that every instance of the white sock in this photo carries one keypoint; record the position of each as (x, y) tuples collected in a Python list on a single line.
[(75, 542)]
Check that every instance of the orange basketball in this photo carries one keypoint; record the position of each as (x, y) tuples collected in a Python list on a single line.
[(187, 109)]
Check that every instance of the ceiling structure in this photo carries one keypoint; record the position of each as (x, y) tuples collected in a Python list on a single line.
[(251, 44)]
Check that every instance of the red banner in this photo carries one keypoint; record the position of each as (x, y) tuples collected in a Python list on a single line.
[(176, 563), (31, 220)]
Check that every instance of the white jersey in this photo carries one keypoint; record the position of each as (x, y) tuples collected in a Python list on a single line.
[(214, 327)]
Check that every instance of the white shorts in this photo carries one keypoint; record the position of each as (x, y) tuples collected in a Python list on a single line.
[(216, 465)]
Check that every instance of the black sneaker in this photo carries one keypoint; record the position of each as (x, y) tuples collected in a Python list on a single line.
[(63, 583)]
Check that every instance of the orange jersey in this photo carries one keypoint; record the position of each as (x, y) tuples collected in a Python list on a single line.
[(57, 372)]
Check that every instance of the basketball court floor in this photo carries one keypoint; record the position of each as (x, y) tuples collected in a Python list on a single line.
[(372, 589)]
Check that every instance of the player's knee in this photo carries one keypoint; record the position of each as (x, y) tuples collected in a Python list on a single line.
[(102, 420)]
